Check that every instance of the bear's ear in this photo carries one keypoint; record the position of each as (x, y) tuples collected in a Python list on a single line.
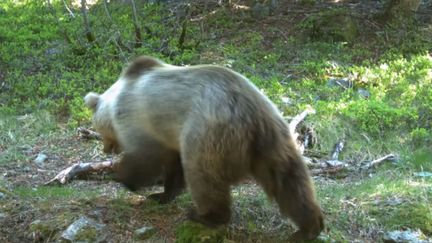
[(91, 100)]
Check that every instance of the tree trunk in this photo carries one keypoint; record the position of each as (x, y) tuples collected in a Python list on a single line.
[(138, 38), (400, 9), (89, 34)]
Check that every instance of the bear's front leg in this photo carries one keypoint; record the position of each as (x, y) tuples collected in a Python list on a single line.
[(174, 183)]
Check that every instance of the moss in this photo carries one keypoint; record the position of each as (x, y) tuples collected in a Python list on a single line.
[(87, 234), (406, 215), (192, 233), (43, 229), (331, 25)]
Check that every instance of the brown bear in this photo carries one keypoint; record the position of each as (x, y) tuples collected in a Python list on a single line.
[(211, 127)]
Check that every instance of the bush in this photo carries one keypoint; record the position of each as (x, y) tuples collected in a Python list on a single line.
[(375, 117)]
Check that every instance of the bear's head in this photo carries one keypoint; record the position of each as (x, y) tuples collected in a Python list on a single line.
[(102, 121)]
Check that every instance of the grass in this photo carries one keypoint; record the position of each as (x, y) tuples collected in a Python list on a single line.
[(43, 78), (386, 200), (22, 133), (54, 193)]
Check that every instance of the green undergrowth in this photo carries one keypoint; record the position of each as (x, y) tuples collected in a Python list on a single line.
[(387, 200), (54, 192), (21, 133), (373, 91), (194, 233)]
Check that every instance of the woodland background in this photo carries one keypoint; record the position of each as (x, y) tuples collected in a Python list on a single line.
[(364, 67)]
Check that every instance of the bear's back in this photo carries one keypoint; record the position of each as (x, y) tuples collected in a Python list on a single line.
[(161, 101)]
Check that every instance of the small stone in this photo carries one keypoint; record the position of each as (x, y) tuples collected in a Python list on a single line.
[(2, 195), (144, 233), (423, 174), (405, 236), (286, 101), (339, 82), (364, 93), (84, 230), (40, 159), (335, 163)]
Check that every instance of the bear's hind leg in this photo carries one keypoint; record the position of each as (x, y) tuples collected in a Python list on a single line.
[(290, 185), (211, 197), (210, 192)]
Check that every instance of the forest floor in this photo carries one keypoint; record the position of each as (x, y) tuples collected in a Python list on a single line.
[(360, 205)]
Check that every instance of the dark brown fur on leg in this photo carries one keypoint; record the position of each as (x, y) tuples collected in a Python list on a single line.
[(294, 194), (211, 197), (134, 173), (212, 219), (304, 211), (284, 176), (174, 183), (212, 207), (148, 163)]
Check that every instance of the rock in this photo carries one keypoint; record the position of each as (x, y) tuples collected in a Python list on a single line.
[(405, 236), (144, 233), (286, 101), (394, 201), (84, 230), (2, 195), (339, 82), (419, 174), (335, 163), (364, 93), (53, 51), (331, 25), (40, 159)]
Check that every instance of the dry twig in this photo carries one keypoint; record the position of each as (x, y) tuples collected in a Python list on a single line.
[(80, 169), (299, 118), (327, 170), (375, 162), (88, 134)]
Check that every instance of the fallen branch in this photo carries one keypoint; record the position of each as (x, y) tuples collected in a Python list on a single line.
[(80, 169), (374, 163), (337, 150), (88, 134), (297, 119), (332, 166), (327, 171), (293, 124)]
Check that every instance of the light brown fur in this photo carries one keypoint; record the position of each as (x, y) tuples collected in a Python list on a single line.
[(141, 65), (223, 129), (102, 124)]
